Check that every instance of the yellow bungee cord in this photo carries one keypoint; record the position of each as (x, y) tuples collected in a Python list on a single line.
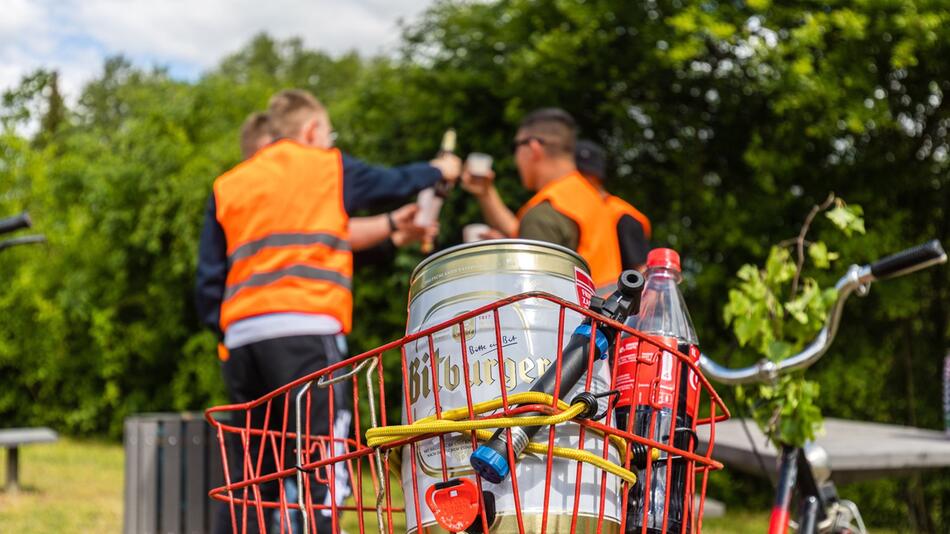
[(456, 420)]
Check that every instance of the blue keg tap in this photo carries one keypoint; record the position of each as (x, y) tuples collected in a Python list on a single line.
[(490, 460)]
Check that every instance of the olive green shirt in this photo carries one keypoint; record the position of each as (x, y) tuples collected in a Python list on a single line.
[(544, 223)]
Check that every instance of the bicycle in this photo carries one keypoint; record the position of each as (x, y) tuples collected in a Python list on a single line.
[(611, 460), (820, 508)]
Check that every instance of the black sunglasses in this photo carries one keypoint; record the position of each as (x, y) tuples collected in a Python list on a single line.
[(518, 142)]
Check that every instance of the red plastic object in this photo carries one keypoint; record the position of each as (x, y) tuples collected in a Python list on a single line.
[(454, 503)]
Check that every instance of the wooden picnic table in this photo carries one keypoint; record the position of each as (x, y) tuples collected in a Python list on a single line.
[(856, 450)]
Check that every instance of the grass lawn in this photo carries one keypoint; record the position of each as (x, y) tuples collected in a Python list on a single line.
[(68, 486), (737, 523), (76, 486)]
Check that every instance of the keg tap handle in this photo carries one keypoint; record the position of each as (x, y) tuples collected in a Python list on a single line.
[(490, 460), (622, 302)]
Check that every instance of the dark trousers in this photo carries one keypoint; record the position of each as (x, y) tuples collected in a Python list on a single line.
[(251, 372)]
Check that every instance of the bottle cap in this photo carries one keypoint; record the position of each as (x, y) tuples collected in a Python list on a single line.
[(664, 257)]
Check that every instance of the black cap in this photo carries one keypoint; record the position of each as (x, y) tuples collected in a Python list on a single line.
[(591, 159)]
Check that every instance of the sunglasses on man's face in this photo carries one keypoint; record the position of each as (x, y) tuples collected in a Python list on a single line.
[(519, 142)]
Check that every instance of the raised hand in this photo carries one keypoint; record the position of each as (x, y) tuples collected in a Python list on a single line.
[(449, 165), (478, 185)]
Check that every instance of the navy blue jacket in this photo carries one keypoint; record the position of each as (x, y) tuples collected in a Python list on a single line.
[(364, 186)]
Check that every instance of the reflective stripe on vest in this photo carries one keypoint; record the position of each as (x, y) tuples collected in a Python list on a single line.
[(286, 231), (283, 240), (574, 197), (299, 271)]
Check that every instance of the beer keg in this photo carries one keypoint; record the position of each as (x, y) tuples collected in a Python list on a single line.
[(461, 279)]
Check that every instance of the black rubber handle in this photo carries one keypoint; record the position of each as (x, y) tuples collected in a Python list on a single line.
[(22, 240), (909, 260), (11, 224)]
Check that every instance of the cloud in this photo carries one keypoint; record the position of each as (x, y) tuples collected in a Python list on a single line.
[(18, 14), (74, 36)]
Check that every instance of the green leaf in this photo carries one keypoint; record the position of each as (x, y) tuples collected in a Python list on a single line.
[(840, 216), (820, 256), (747, 328), (848, 219), (779, 350), (737, 306), (779, 267), (796, 308), (748, 272)]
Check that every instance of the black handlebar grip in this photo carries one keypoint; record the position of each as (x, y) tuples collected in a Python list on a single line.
[(22, 240), (12, 224), (909, 260)]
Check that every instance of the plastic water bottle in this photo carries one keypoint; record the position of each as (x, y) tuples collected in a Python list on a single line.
[(658, 389)]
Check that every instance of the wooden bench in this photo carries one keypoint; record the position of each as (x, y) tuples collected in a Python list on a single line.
[(11, 439)]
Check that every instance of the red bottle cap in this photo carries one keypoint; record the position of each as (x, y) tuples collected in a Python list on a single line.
[(454, 503), (664, 257)]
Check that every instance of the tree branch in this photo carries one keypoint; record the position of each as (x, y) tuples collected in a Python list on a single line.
[(791, 241), (800, 240)]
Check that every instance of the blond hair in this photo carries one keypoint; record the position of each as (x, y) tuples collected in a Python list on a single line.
[(290, 109), (256, 127)]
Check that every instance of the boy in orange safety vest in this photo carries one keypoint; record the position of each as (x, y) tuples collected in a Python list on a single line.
[(275, 261)]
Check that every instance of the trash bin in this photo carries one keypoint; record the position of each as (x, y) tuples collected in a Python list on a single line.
[(171, 462)]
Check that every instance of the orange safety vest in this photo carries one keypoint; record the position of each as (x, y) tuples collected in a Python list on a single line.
[(575, 198), (287, 235), (621, 207)]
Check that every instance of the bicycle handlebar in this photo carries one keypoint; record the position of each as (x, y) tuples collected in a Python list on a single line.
[(858, 278), (14, 223), (908, 261), (24, 240)]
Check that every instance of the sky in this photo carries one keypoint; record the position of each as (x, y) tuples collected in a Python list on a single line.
[(74, 36)]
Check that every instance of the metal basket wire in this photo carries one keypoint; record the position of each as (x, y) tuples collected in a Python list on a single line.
[(344, 480)]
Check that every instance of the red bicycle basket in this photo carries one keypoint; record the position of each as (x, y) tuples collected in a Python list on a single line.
[(364, 474)]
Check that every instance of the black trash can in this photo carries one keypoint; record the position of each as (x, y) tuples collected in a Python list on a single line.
[(172, 460)]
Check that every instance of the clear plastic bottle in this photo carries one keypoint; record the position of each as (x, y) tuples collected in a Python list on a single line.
[(656, 391)]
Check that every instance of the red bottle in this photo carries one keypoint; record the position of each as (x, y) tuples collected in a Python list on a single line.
[(660, 385)]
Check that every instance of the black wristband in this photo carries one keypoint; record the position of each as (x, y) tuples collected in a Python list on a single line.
[(392, 223)]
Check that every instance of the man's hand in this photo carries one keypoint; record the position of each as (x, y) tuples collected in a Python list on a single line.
[(403, 218), (491, 233), (406, 229), (401, 238), (449, 165), (478, 185), (496, 214)]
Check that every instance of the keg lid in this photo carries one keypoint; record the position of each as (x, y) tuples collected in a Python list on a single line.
[(493, 255)]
